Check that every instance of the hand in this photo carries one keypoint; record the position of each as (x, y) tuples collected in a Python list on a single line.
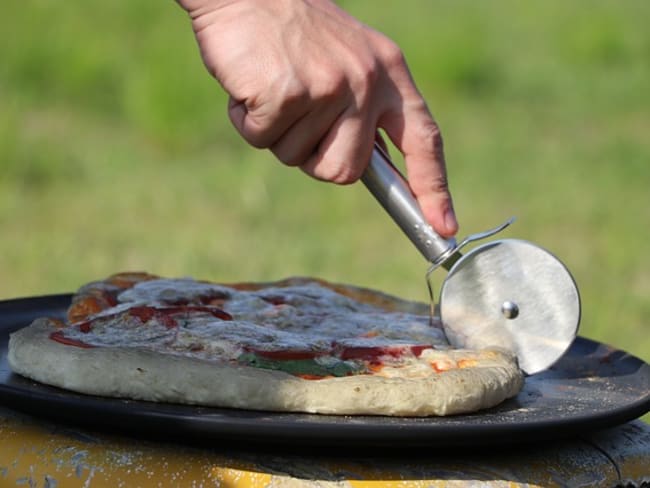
[(312, 84)]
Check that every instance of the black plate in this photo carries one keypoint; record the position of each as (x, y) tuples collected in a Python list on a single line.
[(593, 386)]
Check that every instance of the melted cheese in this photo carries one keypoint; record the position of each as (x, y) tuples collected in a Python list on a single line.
[(296, 318)]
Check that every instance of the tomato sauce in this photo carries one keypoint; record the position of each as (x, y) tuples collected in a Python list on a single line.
[(58, 336)]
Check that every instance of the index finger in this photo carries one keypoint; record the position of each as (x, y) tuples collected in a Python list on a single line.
[(415, 133)]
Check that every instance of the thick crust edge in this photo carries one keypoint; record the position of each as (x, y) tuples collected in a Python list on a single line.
[(148, 375)]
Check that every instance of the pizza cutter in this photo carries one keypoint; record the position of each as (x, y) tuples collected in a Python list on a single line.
[(507, 293)]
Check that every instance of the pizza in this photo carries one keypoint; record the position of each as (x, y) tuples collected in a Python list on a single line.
[(296, 345)]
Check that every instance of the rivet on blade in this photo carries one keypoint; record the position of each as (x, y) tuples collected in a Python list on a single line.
[(510, 309)]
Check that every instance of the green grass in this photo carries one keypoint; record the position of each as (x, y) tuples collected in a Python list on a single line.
[(116, 153)]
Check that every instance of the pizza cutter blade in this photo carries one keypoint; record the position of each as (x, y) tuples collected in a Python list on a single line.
[(508, 293)]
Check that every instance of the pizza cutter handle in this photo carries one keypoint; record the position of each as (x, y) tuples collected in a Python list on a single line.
[(392, 191)]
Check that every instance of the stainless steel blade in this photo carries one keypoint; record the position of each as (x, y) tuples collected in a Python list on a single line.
[(509, 293), (515, 295)]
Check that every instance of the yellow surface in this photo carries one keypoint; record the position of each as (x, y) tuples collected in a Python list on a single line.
[(39, 454)]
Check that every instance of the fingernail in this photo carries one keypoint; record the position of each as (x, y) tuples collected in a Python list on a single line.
[(450, 221)]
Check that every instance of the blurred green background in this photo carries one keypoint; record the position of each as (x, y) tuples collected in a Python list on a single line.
[(116, 152)]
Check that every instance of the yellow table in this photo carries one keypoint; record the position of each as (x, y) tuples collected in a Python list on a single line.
[(37, 453)]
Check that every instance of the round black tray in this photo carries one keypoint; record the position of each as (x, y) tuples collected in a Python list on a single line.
[(592, 387)]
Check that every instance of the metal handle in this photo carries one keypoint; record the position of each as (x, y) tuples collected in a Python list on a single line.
[(391, 190)]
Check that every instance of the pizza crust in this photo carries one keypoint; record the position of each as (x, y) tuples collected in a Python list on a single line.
[(143, 374)]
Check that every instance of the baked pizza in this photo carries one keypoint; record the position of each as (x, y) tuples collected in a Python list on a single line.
[(297, 345)]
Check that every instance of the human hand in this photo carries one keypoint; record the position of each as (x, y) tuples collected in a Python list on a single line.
[(312, 84)]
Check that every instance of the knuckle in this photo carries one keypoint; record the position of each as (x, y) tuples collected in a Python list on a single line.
[(292, 160), (391, 53), (287, 157), (343, 174), (364, 76), (330, 84), (291, 93), (431, 137), (255, 139), (251, 122), (356, 80), (431, 185), (439, 184)]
